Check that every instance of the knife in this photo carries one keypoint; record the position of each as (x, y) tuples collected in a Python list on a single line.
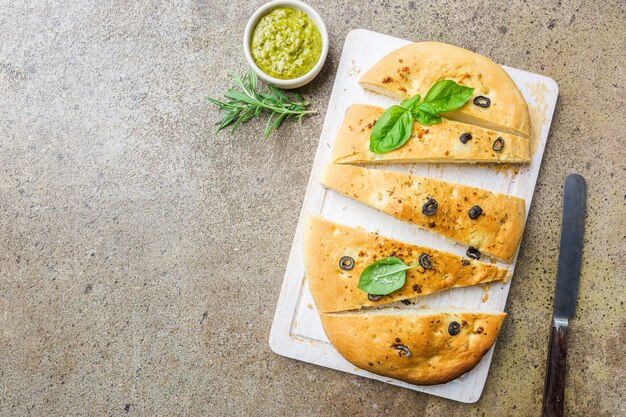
[(566, 291)]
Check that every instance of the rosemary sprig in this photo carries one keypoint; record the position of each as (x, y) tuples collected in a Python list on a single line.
[(245, 102)]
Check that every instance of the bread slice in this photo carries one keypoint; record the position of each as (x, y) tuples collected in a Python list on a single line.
[(335, 289), (414, 68), (435, 143), (496, 232), (416, 346)]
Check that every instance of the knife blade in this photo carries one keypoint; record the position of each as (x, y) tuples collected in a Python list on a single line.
[(566, 291), (571, 248)]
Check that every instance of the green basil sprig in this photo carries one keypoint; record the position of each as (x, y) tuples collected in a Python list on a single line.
[(384, 276), (394, 127)]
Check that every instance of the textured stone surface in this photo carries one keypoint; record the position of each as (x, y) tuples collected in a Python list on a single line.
[(141, 255)]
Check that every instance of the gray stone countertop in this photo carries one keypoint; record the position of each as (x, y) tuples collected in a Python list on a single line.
[(141, 254)]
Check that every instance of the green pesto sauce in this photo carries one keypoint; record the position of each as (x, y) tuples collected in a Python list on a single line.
[(286, 44)]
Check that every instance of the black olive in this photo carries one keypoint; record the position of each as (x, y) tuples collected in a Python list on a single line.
[(430, 207), (473, 253), (498, 144), (482, 101), (465, 262), (454, 328), (405, 302), (402, 350), (373, 297), (465, 137), (346, 263), (474, 212), (425, 261)]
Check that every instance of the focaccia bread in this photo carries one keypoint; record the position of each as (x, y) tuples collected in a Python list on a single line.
[(439, 142), (335, 288), (497, 231), (423, 347), (414, 68)]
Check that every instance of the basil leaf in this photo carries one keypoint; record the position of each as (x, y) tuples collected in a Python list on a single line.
[(424, 117), (411, 102), (391, 130), (446, 95), (384, 276), (426, 108)]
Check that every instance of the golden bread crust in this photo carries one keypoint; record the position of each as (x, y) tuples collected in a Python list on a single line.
[(497, 232), (371, 342), (414, 68), (335, 289), (435, 143)]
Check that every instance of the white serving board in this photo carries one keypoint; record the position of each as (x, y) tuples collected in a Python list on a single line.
[(297, 331)]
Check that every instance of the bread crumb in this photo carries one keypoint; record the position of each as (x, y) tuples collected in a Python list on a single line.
[(354, 71)]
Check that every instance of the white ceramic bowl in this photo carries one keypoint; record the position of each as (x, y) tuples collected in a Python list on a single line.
[(315, 17)]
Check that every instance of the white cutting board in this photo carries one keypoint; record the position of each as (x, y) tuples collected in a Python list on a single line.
[(297, 331)]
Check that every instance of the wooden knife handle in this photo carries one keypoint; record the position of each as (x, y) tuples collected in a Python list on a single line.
[(553, 394)]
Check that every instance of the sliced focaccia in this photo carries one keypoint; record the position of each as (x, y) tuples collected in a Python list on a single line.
[(448, 141), (497, 103), (335, 256), (488, 222), (423, 347)]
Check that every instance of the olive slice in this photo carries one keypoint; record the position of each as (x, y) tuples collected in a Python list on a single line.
[(406, 302), (425, 261), (473, 253), (482, 101), (498, 144), (346, 263), (454, 328), (374, 297), (474, 212), (465, 137), (430, 207), (465, 262), (402, 350)]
